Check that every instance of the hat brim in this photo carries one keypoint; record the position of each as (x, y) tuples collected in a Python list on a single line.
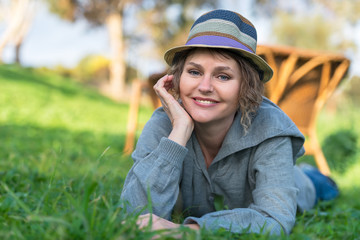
[(256, 60)]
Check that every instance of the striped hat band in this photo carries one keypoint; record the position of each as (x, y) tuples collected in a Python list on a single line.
[(228, 30)]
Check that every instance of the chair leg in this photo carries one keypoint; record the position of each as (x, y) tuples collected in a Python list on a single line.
[(318, 154), (132, 117)]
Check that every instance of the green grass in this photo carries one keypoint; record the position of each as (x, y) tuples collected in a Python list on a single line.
[(62, 166)]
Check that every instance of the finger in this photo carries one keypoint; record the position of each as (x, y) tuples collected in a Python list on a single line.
[(163, 94), (143, 221), (164, 83), (168, 83), (161, 81)]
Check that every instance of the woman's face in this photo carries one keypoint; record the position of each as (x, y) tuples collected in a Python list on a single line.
[(209, 87)]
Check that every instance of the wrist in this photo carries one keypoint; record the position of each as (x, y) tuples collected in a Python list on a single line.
[(181, 134)]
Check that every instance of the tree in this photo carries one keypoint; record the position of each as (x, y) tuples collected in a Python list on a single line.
[(18, 15), (343, 9), (310, 32), (111, 14), (99, 12), (314, 24)]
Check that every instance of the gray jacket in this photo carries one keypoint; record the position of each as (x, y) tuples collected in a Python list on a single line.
[(254, 174)]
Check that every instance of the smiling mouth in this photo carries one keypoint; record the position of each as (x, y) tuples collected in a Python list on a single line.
[(205, 101)]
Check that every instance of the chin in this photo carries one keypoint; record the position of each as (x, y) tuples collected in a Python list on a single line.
[(199, 118)]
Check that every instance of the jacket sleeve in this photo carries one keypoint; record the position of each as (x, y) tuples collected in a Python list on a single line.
[(273, 209), (156, 171)]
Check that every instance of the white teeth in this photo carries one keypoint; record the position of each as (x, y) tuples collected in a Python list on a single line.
[(205, 101)]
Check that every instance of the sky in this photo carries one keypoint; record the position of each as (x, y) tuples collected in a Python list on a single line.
[(52, 41)]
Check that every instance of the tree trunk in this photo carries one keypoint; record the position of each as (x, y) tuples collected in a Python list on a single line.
[(20, 16), (17, 52), (116, 88)]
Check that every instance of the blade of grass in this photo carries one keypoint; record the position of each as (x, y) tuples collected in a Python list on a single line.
[(17, 200)]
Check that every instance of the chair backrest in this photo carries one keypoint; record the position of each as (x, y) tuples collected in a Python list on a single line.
[(303, 80)]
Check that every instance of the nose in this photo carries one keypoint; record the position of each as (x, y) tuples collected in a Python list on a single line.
[(205, 84)]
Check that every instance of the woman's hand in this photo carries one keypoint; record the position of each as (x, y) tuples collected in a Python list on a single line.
[(159, 223), (182, 123)]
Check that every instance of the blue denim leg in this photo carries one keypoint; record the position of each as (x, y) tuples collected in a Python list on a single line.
[(326, 188)]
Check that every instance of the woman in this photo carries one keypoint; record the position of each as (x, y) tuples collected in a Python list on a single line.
[(217, 141)]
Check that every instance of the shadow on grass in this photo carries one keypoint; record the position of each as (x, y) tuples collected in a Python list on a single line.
[(40, 148)]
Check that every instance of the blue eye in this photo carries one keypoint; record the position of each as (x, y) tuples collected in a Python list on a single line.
[(223, 77), (194, 72)]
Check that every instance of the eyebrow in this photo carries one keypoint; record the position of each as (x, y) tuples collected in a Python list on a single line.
[(195, 65), (220, 68)]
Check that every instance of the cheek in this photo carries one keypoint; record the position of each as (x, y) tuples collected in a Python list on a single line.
[(232, 94), (184, 86)]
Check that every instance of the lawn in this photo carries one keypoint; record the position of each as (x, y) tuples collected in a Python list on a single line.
[(62, 167)]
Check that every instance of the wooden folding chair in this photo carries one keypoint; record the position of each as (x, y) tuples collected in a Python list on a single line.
[(303, 81)]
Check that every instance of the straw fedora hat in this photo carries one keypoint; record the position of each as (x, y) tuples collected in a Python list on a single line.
[(228, 30)]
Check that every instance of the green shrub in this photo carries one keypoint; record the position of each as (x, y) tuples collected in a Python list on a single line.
[(92, 69), (340, 149)]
